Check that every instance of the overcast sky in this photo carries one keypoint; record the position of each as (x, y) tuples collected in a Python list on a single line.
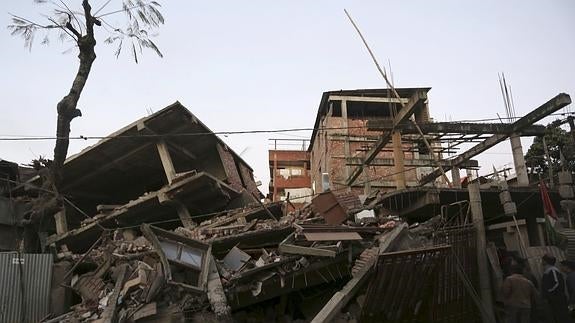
[(245, 65)]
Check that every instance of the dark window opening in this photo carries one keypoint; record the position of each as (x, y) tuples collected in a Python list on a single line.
[(422, 147), (365, 110), (335, 108)]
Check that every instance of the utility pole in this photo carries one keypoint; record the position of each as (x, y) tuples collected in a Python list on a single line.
[(549, 162), (478, 224)]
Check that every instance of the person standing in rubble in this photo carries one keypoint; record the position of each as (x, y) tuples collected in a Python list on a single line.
[(518, 295), (568, 268), (553, 292)]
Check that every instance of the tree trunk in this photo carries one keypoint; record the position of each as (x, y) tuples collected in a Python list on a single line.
[(67, 107)]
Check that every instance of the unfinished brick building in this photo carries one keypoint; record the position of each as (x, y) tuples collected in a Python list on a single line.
[(341, 140), (289, 171)]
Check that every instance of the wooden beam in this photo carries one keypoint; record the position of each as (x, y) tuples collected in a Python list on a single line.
[(404, 113), (556, 103), (109, 314), (309, 251)]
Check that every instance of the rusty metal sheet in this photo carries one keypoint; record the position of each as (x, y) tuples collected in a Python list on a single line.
[(331, 236), (451, 301), (349, 200), (328, 206), (402, 282)]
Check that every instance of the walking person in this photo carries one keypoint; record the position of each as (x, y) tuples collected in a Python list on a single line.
[(553, 292), (568, 268), (518, 295)]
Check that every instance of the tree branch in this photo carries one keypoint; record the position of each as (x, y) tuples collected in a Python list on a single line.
[(73, 15), (64, 29), (121, 10), (33, 23)]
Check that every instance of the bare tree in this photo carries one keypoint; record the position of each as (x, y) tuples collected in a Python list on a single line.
[(78, 26)]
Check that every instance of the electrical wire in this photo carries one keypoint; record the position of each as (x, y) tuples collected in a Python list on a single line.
[(195, 215), (193, 134)]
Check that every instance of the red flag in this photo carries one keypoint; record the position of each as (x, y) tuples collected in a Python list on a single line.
[(547, 205)]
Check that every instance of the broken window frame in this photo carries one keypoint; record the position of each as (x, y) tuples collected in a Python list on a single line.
[(156, 236)]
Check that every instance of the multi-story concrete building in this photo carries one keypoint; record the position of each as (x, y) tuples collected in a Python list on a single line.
[(341, 140), (289, 171)]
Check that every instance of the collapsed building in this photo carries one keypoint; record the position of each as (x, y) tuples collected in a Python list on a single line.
[(164, 222)]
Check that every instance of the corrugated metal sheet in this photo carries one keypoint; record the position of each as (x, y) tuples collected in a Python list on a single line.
[(31, 273)]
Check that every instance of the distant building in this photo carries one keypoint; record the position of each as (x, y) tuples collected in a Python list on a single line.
[(289, 171), (341, 139)]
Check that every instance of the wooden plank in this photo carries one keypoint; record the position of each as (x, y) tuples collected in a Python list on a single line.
[(109, 314), (331, 236), (145, 311), (299, 250)]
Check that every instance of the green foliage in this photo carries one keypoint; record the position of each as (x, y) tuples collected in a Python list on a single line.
[(558, 142)]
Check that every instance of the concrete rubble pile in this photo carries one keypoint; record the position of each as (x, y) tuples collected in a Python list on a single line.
[(227, 267)]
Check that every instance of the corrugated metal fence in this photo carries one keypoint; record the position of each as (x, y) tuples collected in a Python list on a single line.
[(402, 284), (25, 286), (451, 300)]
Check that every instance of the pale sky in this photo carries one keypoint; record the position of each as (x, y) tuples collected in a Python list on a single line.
[(252, 65)]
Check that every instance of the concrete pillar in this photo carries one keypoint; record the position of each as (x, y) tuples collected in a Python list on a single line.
[(367, 181), (166, 161), (477, 217), (216, 294), (456, 177), (184, 215), (398, 160), (61, 222), (181, 209), (346, 147), (274, 179), (519, 160)]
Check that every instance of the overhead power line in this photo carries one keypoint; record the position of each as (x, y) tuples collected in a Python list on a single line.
[(225, 133)]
